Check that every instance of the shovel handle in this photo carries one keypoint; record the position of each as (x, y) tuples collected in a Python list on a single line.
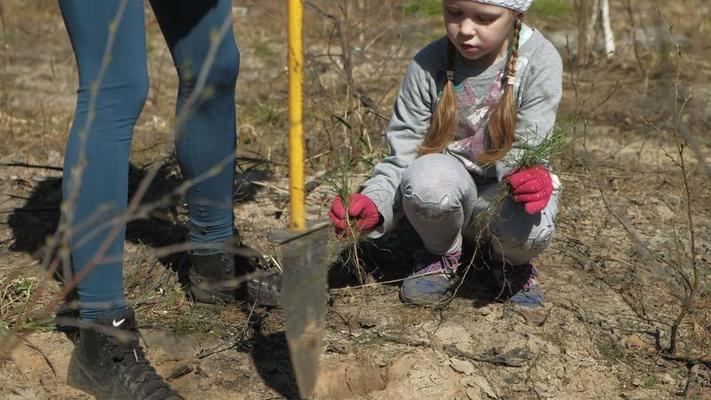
[(297, 215)]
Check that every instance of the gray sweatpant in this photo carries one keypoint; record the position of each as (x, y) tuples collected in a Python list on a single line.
[(441, 200)]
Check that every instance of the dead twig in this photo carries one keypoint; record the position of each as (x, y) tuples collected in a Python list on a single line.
[(693, 372), (689, 358), (46, 359), (514, 358), (28, 165), (690, 279), (204, 353), (180, 372)]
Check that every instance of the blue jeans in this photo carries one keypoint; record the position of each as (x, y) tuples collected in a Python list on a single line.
[(441, 201), (206, 139)]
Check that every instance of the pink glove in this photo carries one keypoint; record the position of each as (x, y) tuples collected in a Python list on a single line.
[(532, 187), (361, 209)]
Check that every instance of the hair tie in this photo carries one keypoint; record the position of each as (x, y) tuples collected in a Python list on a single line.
[(510, 79), (450, 76)]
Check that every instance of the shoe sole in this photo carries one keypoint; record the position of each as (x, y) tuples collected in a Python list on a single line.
[(79, 378), (210, 297), (262, 295), (426, 304), (450, 294)]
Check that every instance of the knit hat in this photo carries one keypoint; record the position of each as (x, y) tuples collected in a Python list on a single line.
[(516, 5)]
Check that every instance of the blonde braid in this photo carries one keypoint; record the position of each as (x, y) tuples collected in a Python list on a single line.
[(446, 115), (502, 122)]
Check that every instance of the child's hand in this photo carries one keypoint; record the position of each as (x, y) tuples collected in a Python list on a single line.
[(532, 187), (361, 209)]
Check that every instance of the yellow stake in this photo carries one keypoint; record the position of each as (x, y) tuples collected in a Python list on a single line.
[(296, 128)]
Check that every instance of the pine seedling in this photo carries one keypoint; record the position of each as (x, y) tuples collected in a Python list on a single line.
[(341, 186), (553, 145)]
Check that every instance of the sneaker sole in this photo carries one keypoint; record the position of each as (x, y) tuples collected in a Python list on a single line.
[(210, 297), (426, 304), (262, 295)]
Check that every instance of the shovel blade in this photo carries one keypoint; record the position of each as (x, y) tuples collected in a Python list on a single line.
[(305, 297)]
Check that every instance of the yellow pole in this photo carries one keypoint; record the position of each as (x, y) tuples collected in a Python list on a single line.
[(296, 128)]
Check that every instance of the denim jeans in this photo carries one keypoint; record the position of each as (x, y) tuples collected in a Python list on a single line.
[(441, 201), (207, 138)]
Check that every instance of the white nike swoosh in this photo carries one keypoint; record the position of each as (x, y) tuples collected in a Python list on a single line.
[(116, 324)]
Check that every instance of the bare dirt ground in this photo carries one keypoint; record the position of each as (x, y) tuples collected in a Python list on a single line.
[(610, 281)]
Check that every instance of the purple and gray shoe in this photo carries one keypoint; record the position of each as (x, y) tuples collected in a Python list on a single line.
[(433, 280), (525, 290), (514, 283)]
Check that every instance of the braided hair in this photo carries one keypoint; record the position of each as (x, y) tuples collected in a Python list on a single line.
[(502, 122), (446, 115)]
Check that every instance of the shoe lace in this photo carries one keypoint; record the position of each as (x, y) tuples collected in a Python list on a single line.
[(138, 374), (447, 264)]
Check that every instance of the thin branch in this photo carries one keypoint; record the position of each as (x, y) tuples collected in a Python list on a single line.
[(46, 359), (28, 165)]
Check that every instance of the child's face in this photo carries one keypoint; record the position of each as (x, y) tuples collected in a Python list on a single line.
[(479, 31)]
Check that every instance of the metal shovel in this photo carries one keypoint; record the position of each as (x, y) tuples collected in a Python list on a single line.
[(304, 299), (303, 250)]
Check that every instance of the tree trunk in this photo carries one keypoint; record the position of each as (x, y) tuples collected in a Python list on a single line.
[(608, 34), (588, 12)]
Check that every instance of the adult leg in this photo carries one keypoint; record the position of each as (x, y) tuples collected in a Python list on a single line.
[(107, 360), (95, 185), (205, 143)]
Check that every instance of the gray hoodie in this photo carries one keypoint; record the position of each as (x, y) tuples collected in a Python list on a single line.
[(538, 90)]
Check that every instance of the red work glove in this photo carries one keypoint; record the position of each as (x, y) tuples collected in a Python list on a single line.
[(531, 187), (361, 209)]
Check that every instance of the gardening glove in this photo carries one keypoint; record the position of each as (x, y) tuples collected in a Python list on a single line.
[(531, 187), (362, 210)]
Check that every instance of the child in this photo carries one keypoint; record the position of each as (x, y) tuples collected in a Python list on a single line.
[(470, 104)]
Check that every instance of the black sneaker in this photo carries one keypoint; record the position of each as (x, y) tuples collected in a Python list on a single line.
[(66, 319), (265, 290), (213, 278), (109, 363), (218, 278)]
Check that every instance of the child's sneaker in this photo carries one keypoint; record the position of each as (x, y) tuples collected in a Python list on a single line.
[(515, 283), (524, 288), (432, 281)]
